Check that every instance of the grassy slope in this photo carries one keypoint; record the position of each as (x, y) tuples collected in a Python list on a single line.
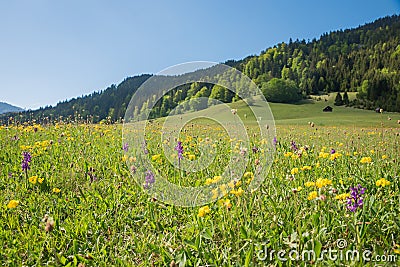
[(311, 111)]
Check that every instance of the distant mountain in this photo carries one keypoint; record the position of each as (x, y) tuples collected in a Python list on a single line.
[(365, 60), (5, 108)]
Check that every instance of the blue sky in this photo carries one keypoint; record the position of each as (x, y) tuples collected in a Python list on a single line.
[(55, 50)]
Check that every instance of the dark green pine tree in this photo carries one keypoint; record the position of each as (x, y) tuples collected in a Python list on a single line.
[(346, 99), (338, 99)]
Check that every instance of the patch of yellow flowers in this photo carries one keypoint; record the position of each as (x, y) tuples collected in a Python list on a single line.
[(203, 211), (382, 182)]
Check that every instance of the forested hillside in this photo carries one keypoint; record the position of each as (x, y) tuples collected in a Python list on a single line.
[(5, 107), (364, 60)]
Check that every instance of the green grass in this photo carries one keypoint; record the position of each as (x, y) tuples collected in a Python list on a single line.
[(102, 217), (308, 111), (311, 111)]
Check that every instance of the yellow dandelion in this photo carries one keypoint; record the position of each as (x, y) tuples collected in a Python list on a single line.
[(12, 204), (342, 197), (214, 193), (33, 179), (40, 180), (203, 211), (382, 182), (366, 160), (288, 154), (323, 155), (309, 184), (155, 157), (56, 190), (304, 168), (209, 181), (299, 188), (225, 203), (321, 182), (294, 171), (335, 156), (223, 189), (312, 195), (237, 192)]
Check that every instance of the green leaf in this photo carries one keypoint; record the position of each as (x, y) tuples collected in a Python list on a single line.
[(249, 256), (317, 248), (63, 260), (206, 233), (243, 233)]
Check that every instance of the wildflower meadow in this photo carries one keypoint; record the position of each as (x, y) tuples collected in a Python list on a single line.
[(68, 198)]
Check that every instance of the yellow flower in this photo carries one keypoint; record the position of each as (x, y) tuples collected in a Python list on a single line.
[(306, 168), (225, 202), (321, 182), (323, 155), (209, 181), (288, 154), (203, 211), (366, 160), (56, 190), (214, 193), (248, 175), (309, 184), (237, 192), (355, 153), (384, 157), (299, 188), (214, 180), (124, 158), (223, 189), (294, 171), (343, 196), (382, 182), (33, 179), (155, 157), (335, 156), (312, 195), (12, 204), (192, 157), (40, 180)]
